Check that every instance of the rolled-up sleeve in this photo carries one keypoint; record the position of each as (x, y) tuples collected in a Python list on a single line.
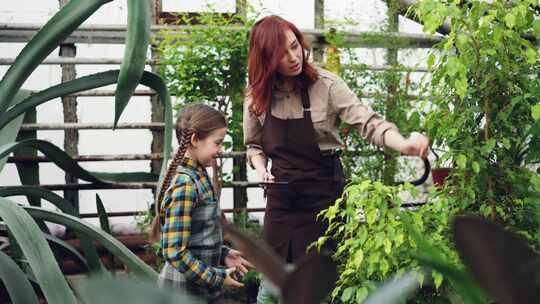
[(369, 123), (252, 134)]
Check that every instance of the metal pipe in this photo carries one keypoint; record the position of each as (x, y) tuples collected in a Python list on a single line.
[(112, 157), (52, 61), (107, 93), (86, 158), (115, 34), (91, 126), (135, 213), (128, 185)]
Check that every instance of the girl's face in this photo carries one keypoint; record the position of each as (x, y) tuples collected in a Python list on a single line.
[(291, 63), (205, 150)]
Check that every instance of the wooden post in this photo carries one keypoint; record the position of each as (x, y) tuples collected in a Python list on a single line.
[(69, 103), (319, 24), (239, 164), (158, 110), (392, 83), (241, 8), (156, 8)]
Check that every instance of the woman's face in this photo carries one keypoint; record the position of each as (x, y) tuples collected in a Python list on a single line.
[(291, 63)]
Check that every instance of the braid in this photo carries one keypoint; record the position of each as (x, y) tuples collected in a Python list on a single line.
[(184, 144)]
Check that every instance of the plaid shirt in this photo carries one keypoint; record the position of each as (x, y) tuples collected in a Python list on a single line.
[(192, 240)]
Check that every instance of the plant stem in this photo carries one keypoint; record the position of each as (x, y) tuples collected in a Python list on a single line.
[(486, 138)]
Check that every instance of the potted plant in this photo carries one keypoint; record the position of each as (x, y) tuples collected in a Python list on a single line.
[(439, 174)]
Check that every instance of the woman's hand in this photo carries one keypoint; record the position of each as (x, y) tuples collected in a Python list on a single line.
[(235, 260), (416, 145), (259, 163), (266, 176)]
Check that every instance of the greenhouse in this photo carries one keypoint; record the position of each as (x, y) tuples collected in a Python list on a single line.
[(269, 151)]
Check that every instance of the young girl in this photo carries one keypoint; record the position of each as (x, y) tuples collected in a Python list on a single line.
[(188, 214)]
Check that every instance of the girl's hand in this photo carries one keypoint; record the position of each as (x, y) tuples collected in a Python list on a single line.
[(229, 282), (416, 145), (235, 260)]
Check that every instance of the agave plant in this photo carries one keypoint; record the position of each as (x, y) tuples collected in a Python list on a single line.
[(30, 258)]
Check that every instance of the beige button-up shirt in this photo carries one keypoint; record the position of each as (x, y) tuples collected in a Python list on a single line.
[(331, 103)]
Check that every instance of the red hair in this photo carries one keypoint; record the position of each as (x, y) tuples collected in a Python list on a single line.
[(266, 49)]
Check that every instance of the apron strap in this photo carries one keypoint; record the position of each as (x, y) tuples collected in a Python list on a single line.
[(306, 104)]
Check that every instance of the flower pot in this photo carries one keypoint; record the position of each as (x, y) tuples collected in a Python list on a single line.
[(439, 176)]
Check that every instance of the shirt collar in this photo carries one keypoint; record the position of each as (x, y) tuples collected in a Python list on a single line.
[(280, 93), (280, 87), (191, 164)]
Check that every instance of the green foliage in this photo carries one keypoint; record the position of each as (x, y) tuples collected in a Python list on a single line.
[(134, 59), (485, 86), (433, 257), (65, 162), (245, 224), (92, 288), (208, 63), (374, 242), (484, 114), (252, 279), (10, 131), (37, 252), (19, 288)]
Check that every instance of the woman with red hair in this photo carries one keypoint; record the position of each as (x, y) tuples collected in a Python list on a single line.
[(291, 115)]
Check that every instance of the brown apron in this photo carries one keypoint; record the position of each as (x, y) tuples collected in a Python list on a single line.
[(315, 181)]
